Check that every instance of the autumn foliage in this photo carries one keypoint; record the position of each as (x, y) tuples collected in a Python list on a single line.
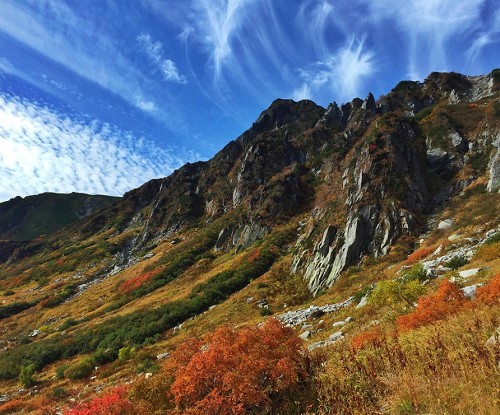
[(448, 299), (420, 254), (369, 337), (133, 283), (114, 402), (251, 370), (490, 293)]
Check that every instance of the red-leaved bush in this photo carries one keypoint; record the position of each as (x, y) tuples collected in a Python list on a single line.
[(135, 282), (234, 372), (114, 402), (490, 293), (369, 337), (420, 254), (448, 299)]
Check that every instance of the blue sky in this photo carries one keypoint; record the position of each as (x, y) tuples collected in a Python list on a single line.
[(100, 96)]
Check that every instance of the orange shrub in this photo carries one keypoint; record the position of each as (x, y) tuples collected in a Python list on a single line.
[(370, 337), (133, 283), (490, 293), (420, 254), (448, 299), (235, 372), (12, 406), (114, 402)]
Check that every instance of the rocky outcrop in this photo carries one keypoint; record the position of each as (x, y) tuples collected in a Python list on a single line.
[(493, 185), (296, 317), (377, 211)]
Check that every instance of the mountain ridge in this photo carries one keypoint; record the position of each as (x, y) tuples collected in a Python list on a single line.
[(32, 216)]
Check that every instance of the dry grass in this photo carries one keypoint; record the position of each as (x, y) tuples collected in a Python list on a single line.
[(443, 368)]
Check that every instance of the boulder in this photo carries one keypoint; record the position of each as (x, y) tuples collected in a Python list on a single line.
[(445, 224), (469, 272)]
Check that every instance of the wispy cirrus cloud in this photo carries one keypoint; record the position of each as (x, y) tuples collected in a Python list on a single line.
[(55, 31), (154, 51), (341, 74), (431, 28), (44, 150), (486, 37), (220, 23)]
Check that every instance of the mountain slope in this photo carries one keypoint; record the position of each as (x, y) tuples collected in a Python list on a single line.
[(307, 201), (22, 219)]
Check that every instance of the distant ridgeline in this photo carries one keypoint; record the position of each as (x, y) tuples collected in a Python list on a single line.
[(23, 219)]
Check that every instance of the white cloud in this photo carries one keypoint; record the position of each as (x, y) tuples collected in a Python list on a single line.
[(56, 32), (303, 92), (430, 27), (486, 37), (154, 51), (145, 105), (217, 22), (6, 65), (43, 150), (341, 74)]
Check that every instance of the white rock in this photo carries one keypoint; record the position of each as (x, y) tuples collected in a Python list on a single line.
[(339, 323), (438, 250), (162, 356), (148, 375), (336, 336), (470, 291), (454, 237), (495, 338), (305, 335), (469, 272), (445, 224), (363, 301)]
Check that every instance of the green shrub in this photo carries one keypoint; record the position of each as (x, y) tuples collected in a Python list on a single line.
[(60, 371), (26, 375), (146, 364), (416, 273), (125, 353), (59, 392), (102, 356), (69, 322), (456, 262), (265, 311), (493, 239), (14, 308), (81, 369)]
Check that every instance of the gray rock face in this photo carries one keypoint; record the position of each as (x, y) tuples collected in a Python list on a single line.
[(438, 159), (372, 223), (240, 238), (493, 185)]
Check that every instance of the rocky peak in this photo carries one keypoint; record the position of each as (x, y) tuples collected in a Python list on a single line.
[(284, 112)]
